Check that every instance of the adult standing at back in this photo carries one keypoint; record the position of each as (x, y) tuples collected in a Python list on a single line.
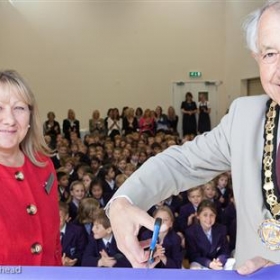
[(204, 111), (29, 216), (114, 124), (161, 121), (130, 123), (51, 127), (96, 124), (189, 110), (172, 120), (71, 124)]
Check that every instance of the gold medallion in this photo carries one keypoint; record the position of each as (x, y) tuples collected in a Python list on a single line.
[(276, 209), (269, 232)]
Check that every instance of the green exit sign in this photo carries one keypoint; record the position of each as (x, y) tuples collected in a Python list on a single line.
[(195, 74)]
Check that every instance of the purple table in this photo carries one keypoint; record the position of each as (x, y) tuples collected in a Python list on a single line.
[(86, 273)]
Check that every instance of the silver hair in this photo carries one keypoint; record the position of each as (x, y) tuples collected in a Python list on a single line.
[(251, 23)]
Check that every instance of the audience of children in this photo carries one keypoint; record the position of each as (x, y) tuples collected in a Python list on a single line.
[(90, 170)]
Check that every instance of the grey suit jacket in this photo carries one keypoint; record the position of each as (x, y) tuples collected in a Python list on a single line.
[(236, 144)]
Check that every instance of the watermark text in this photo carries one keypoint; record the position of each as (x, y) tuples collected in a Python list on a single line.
[(10, 269)]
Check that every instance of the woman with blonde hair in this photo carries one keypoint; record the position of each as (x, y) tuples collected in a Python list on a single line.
[(96, 124), (147, 123), (172, 119), (70, 125), (130, 123), (29, 216)]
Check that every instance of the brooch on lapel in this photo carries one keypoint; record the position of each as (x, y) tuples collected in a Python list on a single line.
[(49, 183)]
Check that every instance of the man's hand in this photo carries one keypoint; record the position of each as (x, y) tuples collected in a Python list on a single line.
[(126, 220), (253, 265)]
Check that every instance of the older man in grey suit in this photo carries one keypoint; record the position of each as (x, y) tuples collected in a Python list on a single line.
[(244, 142)]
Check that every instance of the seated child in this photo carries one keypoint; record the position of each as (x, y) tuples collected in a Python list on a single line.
[(223, 189), (129, 169), (210, 193), (62, 181), (72, 238), (174, 202), (107, 175), (87, 179), (82, 169), (77, 193), (187, 214), (102, 250), (168, 250), (96, 191), (206, 242), (121, 165), (120, 179), (86, 213), (95, 165), (69, 165)]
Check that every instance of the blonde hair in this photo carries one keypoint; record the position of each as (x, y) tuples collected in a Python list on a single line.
[(166, 209), (120, 179), (197, 188), (87, 210), (210, 184), (33, 143)]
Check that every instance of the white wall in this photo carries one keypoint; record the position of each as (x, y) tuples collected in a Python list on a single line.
[(239, 64), (88, 55)]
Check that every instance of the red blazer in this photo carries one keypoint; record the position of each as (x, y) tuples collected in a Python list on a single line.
[(29, 215)]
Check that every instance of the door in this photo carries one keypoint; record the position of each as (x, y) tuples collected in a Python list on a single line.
[(179, 90)]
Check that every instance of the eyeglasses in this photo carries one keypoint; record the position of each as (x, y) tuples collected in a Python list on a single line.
[(269, 57)]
